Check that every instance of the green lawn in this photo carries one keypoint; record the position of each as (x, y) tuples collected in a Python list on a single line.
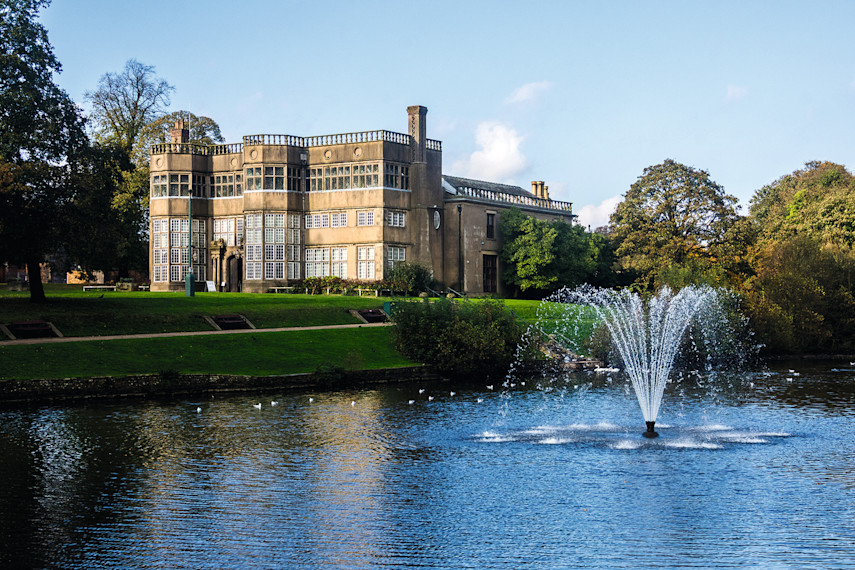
[(254, 354), (570, 324), (76, 313)]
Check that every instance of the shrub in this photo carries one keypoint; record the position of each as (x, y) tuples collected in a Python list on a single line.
[(410, 277), (458, 339)]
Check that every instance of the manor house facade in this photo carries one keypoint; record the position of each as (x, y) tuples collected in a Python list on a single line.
[(275, 209)]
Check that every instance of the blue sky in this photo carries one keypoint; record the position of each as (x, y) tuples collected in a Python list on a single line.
[(583, 95)]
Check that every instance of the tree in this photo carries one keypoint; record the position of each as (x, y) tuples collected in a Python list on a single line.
[(96, 175), (803, 296), (527, 251), (543, 256), (816, 201), (411, 277), (124, 103), (674, 216), (800, 300), (40, 132)]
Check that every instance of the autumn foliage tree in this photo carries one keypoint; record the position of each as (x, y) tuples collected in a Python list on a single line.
[(803, 296), (677, 224)]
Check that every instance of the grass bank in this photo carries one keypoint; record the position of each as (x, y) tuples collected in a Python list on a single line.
[(76, 313), (254, 354)]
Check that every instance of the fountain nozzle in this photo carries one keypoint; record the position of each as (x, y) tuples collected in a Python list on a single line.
[(650, 433)]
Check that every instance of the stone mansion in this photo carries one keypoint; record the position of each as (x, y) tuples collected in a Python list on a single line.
[(279, 208)]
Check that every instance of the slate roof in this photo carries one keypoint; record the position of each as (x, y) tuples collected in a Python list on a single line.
[(457, 182)]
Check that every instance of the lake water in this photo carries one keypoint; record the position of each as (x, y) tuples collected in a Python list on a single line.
[(754, 471)]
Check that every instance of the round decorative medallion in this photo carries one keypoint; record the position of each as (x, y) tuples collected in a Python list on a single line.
[(234, 162), (158, 162), (357, 152), (437, 219), (253, 154), (327, 154)]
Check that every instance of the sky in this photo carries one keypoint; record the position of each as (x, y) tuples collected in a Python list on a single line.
[(581, 94)]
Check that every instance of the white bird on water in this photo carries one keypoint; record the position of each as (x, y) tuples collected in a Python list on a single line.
[(430, 398), (421, 390), (257, 406), (311, 399), (490, 387), (411, 402), (452, 393), (199, 409), (353, 403)]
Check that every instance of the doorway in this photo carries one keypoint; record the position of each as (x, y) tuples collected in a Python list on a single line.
[(491, 267), (234, 276)]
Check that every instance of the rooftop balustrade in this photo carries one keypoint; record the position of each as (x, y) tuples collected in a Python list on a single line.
[(507, 198), (291, 140), (181, 148)]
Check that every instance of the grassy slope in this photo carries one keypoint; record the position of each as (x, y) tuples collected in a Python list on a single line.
[(255, 354), (76, 313), (83, 314)]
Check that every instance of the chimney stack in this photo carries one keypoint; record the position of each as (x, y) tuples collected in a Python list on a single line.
[(179, 133), (418, 131), (539, 189)]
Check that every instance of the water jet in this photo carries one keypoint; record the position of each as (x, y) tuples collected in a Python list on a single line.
[(645, 333)]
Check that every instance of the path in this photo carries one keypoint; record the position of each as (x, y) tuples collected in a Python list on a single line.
[(182, 333)]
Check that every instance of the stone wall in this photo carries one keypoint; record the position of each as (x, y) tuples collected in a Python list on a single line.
[(168, 384)]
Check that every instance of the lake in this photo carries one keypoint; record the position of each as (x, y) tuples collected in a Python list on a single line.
[(755, 470)]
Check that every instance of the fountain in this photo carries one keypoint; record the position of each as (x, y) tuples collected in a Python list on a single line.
[(646, 334)]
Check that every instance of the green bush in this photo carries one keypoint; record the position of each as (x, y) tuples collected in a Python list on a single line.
[(410, 277), (458, 339)]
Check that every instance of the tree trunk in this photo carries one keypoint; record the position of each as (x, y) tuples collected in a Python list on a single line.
[(34, 273)]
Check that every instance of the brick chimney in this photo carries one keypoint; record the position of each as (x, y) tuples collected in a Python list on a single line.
[(179, 133), (539, 189)]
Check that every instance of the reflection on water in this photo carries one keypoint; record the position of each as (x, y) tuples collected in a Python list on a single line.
[(754, 470)]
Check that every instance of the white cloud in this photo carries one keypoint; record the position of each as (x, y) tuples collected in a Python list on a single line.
[(528, 92), (736, 92), (499, 158), (596, 215)]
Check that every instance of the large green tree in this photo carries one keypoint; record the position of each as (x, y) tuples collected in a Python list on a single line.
[(541, 256), (40, 132), (675, 220), (97, 175), (527, 251), (803, 296)]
